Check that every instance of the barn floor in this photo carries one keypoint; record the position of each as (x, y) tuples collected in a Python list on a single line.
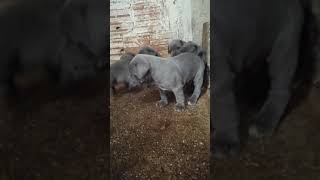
[(148, 142), (292, 153), (50, 136), (66, 137)]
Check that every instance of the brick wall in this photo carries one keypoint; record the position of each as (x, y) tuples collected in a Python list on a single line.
[(135, 23)]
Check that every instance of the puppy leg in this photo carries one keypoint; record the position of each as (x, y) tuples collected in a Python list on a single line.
[(163, 101), (129, 87), (178, 93), (282, 66), (198, 80)]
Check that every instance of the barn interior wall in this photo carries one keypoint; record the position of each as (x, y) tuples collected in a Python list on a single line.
[(134, 23), (200, 15)]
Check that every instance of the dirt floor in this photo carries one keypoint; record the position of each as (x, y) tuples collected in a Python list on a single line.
[(292, 153), (55, 137), (152, 143), (66, 137), (148, 142)]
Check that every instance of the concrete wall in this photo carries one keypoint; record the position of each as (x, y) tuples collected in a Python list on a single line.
[(200, 15), (134, 23), (179, 18)]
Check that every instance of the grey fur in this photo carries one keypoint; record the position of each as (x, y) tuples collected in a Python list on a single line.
[(148, 50), (119, 72), (170, 74), (174, 46), (194, 48)]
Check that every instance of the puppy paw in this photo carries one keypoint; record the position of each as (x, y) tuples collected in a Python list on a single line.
[(192, 101), (224, 147), (257, 130), (180, 107), (162, 103)]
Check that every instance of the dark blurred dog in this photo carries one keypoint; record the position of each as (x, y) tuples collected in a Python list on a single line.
[(65, 38), (250, 39)]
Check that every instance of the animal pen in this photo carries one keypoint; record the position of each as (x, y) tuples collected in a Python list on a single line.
[(148, 141)]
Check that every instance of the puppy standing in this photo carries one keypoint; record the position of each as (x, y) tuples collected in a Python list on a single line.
[(170, 75)]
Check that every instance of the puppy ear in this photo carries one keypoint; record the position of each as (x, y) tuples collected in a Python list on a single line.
[(142, 68)]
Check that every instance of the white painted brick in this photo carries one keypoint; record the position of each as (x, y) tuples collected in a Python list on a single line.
[(152, 22)]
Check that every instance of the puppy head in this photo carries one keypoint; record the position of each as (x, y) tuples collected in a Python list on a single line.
[(174, 47), (133, 82), (127, 57), (139, 68), (148, 50), (190, 47)]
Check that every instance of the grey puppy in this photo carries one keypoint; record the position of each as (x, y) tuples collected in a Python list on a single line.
[(170, 74), (119, 73), (194, 48), (148, 50), (151, 51), (174, 46)]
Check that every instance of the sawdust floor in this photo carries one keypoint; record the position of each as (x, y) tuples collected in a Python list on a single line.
[(148, 142)]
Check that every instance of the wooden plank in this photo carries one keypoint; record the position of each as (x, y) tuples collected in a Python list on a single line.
[(205, 37)]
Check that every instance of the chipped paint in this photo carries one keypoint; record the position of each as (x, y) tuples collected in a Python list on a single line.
[(134, 23)]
